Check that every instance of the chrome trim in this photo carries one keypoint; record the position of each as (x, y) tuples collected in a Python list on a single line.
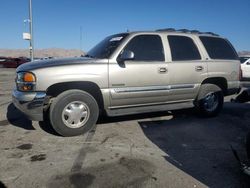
[(141, 89), (183, 86), (151, 104), (153, 88), (146, 109)]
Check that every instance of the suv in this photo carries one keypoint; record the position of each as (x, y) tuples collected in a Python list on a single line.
[(130, 73)]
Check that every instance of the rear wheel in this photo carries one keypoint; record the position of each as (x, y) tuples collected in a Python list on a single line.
[(210, 100), (73, 112), (248, 145)]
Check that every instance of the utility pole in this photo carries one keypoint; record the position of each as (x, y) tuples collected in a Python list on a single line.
[(81, 38), (31, 32)]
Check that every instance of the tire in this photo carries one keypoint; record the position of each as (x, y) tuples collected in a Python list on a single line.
[(210, 100), (73, 112), (248, 145)]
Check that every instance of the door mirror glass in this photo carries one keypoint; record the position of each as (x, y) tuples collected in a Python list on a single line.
[(127, 55)]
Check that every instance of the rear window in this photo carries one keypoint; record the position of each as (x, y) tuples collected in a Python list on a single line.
[(183, 48), (218, 48)]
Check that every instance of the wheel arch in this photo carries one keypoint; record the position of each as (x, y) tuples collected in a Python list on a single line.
[(90, 87), (219, 81)]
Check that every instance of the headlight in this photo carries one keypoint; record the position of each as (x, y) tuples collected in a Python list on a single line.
[(25, 81)]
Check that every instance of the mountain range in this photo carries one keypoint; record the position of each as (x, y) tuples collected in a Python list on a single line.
[(39, 53)]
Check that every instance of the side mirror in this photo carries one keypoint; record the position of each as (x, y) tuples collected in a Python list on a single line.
[(124, 56), (127, 55)]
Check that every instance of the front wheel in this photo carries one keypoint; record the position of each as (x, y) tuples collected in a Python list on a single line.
[(73, 112), (210, 100)]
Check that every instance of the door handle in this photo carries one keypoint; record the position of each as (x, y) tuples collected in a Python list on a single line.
[(199, 68), (163, 70)]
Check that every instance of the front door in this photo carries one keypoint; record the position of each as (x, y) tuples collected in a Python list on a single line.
[(142, 80)]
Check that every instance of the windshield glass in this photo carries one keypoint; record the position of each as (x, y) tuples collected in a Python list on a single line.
[(106, 47)]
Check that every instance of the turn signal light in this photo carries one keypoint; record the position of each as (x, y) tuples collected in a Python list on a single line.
[(29, 77)]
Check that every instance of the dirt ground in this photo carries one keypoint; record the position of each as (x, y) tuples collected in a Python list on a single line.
[(170, 149)]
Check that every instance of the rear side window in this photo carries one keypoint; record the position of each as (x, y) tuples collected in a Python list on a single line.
[(183, 48), (146, 48), (218, 48)]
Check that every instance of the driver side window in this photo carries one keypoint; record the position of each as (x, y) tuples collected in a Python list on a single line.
[(146, 48)]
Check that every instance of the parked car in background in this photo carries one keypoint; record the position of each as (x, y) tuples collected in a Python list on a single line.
[(244, 58), (245, 67), (43, 58), (15, 62), (46, 58), (2, 61)]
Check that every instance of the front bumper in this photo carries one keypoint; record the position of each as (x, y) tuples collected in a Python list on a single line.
[(30, 103)]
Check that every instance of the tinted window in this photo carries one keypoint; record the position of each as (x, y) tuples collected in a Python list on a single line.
[(218, 48), (146, 48), (183, 48)]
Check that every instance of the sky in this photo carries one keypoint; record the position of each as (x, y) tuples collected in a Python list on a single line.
[(57, 23)]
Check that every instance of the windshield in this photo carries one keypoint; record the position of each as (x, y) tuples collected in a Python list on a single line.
[(106, 47)]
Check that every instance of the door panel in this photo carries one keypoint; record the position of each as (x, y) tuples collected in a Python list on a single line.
[(138, 83), (185, 78), (143, 79), (187, 68)]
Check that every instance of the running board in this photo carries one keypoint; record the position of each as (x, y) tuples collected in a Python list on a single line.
[(148, 109)]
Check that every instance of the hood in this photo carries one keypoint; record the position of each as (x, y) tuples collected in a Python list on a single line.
[(54, 62)]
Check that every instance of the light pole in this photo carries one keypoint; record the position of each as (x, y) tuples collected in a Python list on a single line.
[(31, 32), (80, 38)]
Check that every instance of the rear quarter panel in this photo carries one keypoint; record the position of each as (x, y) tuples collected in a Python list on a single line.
[(229, 69)]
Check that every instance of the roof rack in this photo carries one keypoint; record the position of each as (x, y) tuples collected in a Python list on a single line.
[(187, 31), (167, 29), (210, 33)]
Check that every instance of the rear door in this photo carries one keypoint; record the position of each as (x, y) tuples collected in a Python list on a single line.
[(187, 68)]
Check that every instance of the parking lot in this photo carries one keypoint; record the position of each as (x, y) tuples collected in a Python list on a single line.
[(167, 149)]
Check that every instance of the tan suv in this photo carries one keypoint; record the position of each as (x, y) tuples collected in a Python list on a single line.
[(130, 73)]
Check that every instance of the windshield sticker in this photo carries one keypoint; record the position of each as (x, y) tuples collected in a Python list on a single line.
[(116, 39)]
